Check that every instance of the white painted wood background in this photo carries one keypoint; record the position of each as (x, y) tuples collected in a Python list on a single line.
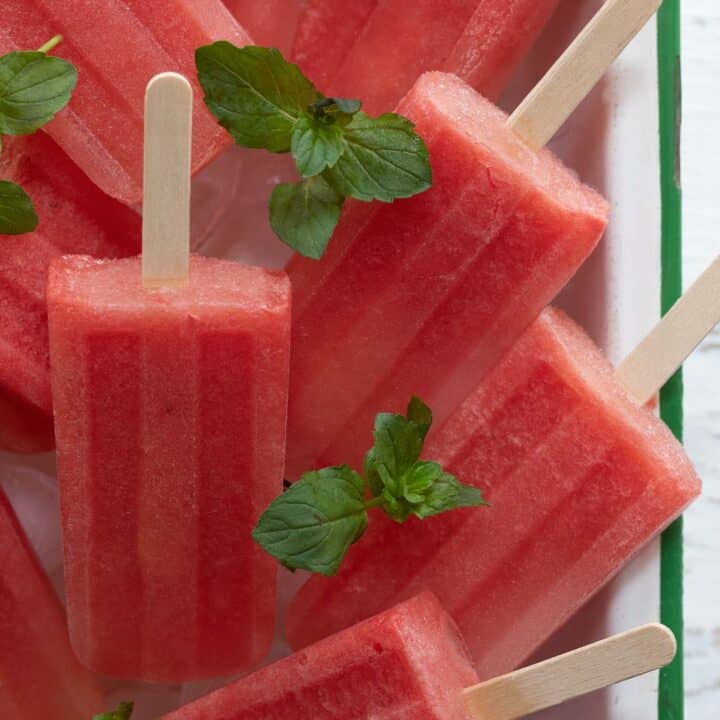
[(701, 187)]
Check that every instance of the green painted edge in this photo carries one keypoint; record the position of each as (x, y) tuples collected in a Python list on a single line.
[(671, 695)]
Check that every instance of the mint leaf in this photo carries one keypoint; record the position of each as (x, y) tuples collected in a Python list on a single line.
[(254, 93), (123, 712), (304, 215), (312, 525), (315, 145), (339, 110), (445, 493), (33, 88), (398, 443), (383, 159), (17, 214), (419, 413)]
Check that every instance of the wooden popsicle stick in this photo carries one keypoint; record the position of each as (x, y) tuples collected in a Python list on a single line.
[(576, 673), (682, 329), (578, 70), (166, 180)]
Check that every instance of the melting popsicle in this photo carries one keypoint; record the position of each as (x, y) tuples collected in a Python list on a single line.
[(169, 379), (378, 48), (580, 475), (410, 663), (75, 216), (424, 296), (117, 46), (40, 676)]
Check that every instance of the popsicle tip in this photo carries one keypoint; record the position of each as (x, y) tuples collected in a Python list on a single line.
[(665, 641), (169, 80)]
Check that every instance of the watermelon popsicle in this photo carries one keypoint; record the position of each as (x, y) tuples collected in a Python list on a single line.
[(117, 46), (271, 23), (169, 379), (385, 45), (75, 216), (41, 678), (579, 473), (422, 297), (410, 663)]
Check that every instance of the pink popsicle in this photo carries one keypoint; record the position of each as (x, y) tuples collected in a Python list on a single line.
[(271, 23), (425, 295), (326, 33), (75, 216), (408, 663), (117, 47), (40, 678), (482, 41), (579, 476), (170, 408)]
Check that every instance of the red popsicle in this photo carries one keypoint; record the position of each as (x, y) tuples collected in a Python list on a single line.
[(377, 50), (326, 33), (117, 46), (40, 678), (271, 23), (580, 476), (425, 295), (75, 216), (170, 379), (408, 663)]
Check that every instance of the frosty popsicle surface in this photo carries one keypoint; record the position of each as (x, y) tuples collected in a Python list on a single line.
[(75, 216), (41, 677), (382, 46), (408, 663), (117, 47), (579, 475)]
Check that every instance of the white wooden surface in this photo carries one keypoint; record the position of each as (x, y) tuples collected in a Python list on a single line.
[(701, 153)]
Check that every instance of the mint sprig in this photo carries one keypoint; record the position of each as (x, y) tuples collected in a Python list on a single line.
[(17, 214), (313, 524), (266, 102), (33, 88), (123, 712)]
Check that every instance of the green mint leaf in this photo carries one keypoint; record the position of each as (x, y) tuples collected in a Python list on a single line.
[(419, 413), (123, 712), (304, 215), (398, 443), (334, 110), (33, 88), (383, 160), (254, 93), (312, 525), (315, 145), (17, 214), (446, 493)]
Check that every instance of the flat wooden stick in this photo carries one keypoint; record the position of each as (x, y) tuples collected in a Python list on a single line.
[(682, 329), (590, 668), (166, 202), (578, 70)]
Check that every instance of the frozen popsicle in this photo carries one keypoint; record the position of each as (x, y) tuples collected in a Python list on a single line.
[(75, 216), (580, 475), (423, 296), (117, 46), (326, 33), (170, 384), (271, 23), (410, 663), (378, 52), (40, 677)]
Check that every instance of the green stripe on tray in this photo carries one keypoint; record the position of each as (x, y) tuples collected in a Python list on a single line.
[(671, 696)]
